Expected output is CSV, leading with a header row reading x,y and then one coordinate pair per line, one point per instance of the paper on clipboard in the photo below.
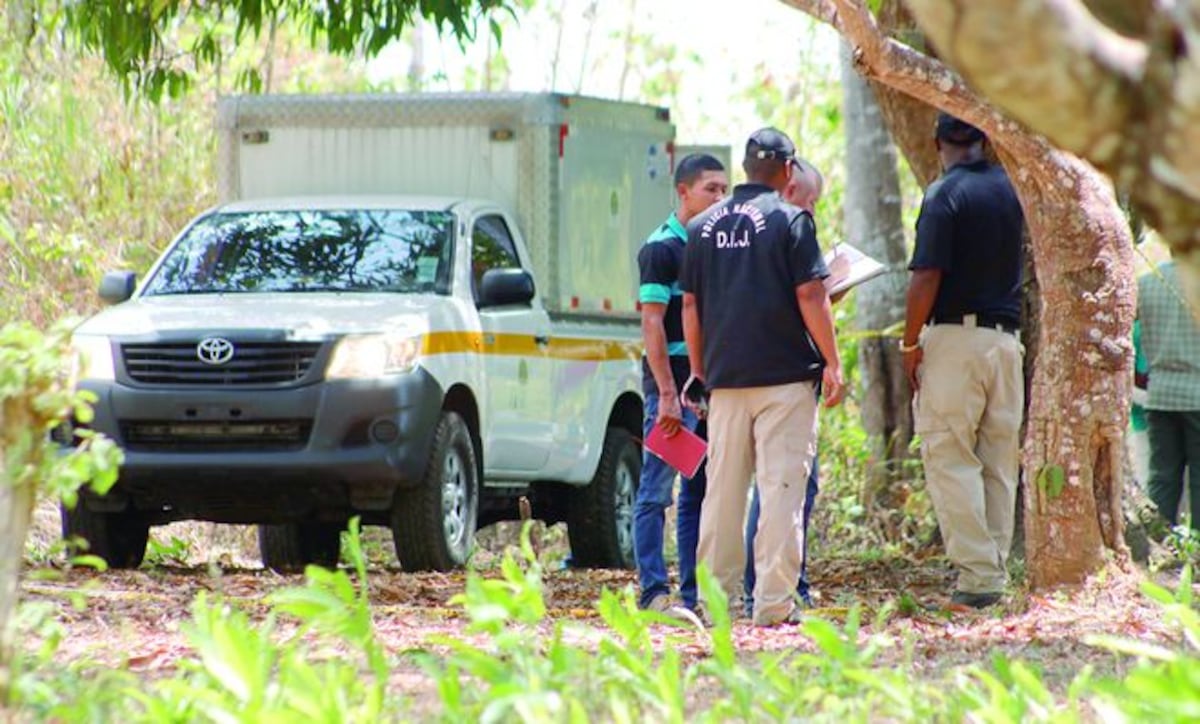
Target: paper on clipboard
x,y
849,267
684,451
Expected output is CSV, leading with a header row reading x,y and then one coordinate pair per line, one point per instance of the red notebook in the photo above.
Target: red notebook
x,y
684,451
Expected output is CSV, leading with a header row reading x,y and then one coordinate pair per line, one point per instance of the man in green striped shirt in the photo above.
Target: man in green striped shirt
x,y
700,181
1171,342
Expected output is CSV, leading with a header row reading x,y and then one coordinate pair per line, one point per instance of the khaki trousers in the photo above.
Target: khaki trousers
x,y
770,433
968,414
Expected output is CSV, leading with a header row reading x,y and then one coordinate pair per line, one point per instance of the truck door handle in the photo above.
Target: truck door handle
x,y
541,340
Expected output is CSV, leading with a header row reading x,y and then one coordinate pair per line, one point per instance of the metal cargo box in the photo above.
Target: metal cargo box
x,y
587,179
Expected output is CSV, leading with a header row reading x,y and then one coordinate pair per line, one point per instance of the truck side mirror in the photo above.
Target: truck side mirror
x,y
501,287
116,287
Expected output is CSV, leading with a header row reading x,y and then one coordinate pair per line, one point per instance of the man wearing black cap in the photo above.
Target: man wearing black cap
x,y
760,336
962,353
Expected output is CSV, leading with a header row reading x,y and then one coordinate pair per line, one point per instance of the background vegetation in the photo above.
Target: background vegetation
x,y
92,180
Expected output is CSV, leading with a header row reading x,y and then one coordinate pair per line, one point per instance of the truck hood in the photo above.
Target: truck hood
x,y
300,316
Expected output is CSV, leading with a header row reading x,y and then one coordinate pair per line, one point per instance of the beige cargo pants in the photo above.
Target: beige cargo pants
x,y
968,414
769,433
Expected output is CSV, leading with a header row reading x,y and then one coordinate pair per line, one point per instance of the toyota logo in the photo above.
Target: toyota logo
x,y
214,351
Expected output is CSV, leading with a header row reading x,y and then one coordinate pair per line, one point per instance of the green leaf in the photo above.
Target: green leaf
x,y
1051,480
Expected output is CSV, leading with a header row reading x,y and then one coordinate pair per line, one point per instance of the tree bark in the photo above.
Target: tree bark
x,y
1128,105
16,511
873,224
1084,261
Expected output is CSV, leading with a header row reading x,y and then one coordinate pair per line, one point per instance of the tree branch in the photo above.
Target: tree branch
x,y
1023,52
822,10
899,66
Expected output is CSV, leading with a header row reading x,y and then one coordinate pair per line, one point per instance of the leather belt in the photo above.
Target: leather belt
x,y
979,320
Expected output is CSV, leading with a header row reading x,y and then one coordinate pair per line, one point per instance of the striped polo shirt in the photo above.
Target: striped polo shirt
x,y
659,262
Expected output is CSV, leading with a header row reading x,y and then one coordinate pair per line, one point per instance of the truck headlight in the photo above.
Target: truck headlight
x,y
93,358
365,356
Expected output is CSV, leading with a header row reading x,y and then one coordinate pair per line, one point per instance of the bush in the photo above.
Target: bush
x,y
516,668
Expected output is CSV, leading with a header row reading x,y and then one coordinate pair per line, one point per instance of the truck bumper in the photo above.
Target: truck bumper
x,y
327,450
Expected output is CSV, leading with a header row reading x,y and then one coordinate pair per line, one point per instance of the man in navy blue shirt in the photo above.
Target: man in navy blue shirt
x,y
962,352
803,191
700,181
760,335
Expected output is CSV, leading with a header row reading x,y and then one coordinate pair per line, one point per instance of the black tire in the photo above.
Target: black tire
x,y
290,547
600,516
433,525
118,538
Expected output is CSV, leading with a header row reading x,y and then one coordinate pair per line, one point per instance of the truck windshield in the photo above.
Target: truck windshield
x,y
310,251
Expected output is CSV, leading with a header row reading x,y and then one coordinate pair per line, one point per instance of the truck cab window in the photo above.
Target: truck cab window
x,y
491,248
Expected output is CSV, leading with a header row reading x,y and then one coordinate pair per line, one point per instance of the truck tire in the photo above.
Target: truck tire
x,y
433,525
600,516
289,547
118,538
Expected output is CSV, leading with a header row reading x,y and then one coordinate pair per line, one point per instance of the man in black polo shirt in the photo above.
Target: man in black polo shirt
x,y
760,335
962,353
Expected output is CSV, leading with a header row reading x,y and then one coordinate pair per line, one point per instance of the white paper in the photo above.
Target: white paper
x,y
849,267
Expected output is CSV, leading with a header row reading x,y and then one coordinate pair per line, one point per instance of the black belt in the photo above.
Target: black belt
x,y
979,320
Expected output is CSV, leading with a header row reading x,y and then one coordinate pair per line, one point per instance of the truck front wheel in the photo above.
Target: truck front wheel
x,y
433,525
600,516
289,547
118,538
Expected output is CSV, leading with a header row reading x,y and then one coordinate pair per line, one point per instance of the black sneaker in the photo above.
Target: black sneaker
x,y
975,600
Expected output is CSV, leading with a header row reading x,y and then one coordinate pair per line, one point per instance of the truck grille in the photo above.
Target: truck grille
x,y
195,436
252,364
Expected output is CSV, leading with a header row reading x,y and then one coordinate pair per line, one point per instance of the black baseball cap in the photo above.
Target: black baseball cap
x,y
956,131
770,143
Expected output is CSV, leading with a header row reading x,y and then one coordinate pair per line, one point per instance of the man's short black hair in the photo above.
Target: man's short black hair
x,y
691,166
956,131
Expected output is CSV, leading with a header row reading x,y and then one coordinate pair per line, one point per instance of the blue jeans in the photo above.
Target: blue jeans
x,y
654,496
748,578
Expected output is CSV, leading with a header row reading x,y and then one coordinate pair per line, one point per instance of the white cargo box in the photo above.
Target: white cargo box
x,y
587,179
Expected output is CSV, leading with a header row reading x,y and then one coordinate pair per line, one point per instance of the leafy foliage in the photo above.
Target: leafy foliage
x,y
36,395
317,655
137,38
88,182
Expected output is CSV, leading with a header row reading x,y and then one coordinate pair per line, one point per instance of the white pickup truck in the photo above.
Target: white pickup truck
x,y
362,328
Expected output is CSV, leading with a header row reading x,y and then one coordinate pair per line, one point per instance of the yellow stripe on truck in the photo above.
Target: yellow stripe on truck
x,y
579,349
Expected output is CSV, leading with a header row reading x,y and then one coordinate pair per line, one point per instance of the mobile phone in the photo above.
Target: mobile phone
x,y
696,394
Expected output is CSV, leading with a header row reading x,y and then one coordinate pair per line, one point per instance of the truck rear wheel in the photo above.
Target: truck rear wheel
x,y
600,516
434,524
118,538
289,547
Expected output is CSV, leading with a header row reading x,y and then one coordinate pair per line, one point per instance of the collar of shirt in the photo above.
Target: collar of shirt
x,y
676,227
977,165
751,189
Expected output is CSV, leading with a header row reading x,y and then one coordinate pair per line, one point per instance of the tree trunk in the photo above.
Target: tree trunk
x,y
627,44
16,510
1083,258
1079,411
873,224
416,66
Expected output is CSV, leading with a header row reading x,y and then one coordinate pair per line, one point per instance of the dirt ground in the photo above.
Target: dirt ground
x,y
133,617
